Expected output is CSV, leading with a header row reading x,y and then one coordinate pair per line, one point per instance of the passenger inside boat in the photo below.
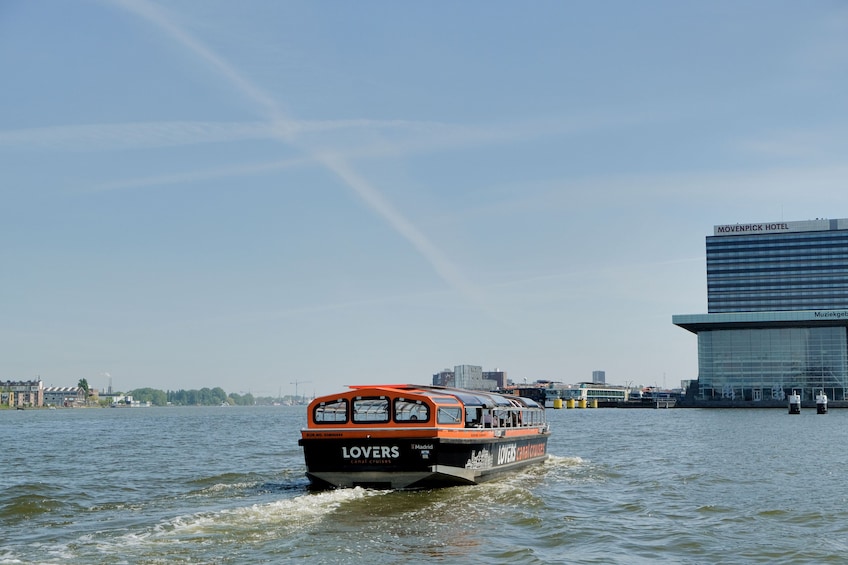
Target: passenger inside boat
x,y
488,420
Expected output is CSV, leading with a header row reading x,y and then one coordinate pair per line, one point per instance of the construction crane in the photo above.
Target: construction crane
x,y
296,396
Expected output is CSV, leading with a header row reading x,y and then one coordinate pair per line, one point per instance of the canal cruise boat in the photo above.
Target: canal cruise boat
x,y
413,437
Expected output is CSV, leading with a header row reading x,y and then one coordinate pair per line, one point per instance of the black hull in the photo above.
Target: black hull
x,y
417,463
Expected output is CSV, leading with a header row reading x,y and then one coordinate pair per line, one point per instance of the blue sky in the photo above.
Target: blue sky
x,y
252,194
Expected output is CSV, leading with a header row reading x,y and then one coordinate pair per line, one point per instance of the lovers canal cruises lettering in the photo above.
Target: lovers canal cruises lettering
x,y
370,452
510,453
381,454
385,454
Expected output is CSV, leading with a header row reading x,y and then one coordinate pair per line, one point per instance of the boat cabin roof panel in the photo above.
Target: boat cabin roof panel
x,y
407,405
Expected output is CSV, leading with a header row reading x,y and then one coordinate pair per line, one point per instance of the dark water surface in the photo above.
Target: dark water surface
x,y
226,485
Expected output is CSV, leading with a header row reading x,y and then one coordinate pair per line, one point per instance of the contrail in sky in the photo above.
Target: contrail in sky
x,y
285,129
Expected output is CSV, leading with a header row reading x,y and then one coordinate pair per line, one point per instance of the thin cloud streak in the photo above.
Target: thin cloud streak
x,y
155,15
376,202
205,175
449,273
430,137
98,137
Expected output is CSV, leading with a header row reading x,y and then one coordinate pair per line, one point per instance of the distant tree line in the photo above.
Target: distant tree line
x,y
203,397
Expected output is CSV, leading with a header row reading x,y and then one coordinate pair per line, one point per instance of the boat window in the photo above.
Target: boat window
x,y
407,410
450,414
473,416
331,412
370,409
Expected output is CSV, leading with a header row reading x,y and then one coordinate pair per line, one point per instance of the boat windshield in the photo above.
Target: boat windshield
x,y
334,411
370,409
449,414
407,410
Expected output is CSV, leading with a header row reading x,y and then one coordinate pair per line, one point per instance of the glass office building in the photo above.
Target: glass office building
x,y
777,298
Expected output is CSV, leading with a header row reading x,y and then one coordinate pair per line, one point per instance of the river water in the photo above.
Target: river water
x,y
227,485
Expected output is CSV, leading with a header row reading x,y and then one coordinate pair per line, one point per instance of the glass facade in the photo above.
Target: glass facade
x,y
778,272
769,363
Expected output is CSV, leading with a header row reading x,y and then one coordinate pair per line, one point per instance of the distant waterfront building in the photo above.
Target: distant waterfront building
x,y
599,377
64,396
589,391
468,376
777,321
22,393
497,376
444,378
127,401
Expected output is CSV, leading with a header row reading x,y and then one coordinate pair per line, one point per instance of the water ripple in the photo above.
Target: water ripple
x,y
678,486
